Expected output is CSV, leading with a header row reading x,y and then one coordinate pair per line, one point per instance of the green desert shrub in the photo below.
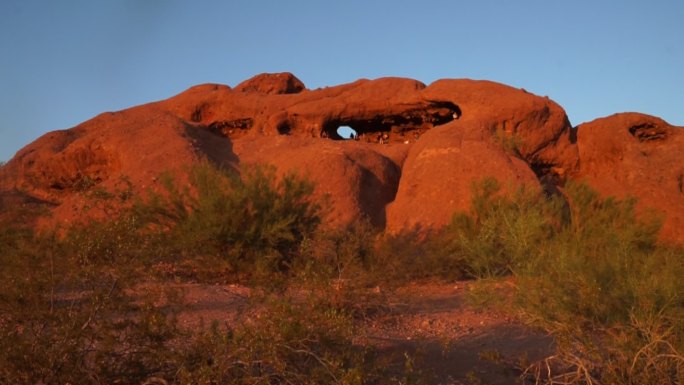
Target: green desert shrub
x,y
13,239
65,322
339,253
499,233
362,256
119,241
602,261
611,294
17,219
511,143
255,221
587,269
291,343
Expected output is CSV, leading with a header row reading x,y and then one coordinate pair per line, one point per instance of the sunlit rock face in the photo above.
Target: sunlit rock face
x,y
640,156
411,161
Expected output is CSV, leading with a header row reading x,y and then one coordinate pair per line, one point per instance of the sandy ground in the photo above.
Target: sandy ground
x,y
451,339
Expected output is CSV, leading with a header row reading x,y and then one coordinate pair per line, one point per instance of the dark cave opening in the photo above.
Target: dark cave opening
x,y
230,128
647,132
403,126
550,177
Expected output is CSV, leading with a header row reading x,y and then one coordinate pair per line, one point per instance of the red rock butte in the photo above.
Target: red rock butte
x,y
415,154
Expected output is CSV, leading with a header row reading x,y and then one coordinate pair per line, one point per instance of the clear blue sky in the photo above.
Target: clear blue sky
x,y
65,61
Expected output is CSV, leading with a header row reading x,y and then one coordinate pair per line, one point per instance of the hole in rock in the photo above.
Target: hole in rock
x,y
550,176
346,132
284,128
405,126
229,128
647,132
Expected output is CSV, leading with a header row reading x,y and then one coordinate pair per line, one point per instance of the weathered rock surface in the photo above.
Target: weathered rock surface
x,y
416,152
135,145
536,126
282,83
439,172
502,132
636,155
355,180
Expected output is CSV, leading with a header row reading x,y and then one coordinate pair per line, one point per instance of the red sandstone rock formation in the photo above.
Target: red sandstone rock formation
x,y
282,83
640,156
417,151
438,174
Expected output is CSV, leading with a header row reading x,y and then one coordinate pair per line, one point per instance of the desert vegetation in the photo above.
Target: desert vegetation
x,y
95,302
587,270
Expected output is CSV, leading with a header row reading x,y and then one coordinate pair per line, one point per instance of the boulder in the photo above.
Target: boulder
x,y
279,83
536,126
439,173
353,179
637,155
110,152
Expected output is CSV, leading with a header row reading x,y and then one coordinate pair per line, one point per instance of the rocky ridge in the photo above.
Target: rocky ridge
x,y
415,153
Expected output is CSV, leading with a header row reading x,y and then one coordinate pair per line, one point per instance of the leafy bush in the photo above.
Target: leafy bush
x,y
361,253
499,234
339,253
610,293
65,322
115,242
510,142
254,221
602,261
290,344
587,269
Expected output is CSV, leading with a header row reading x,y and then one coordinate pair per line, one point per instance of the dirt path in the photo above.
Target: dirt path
x,y
449,339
